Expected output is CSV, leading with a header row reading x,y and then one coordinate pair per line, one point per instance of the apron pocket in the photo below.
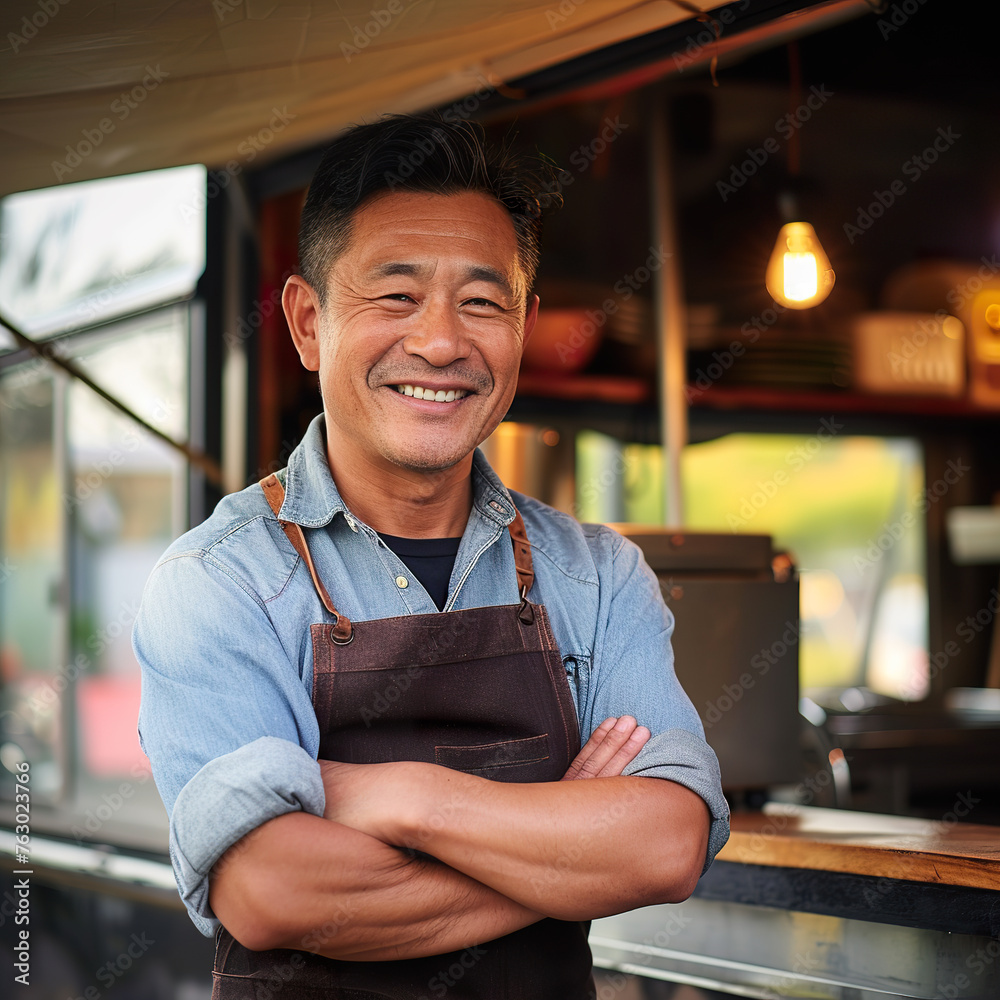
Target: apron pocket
x,y
486,756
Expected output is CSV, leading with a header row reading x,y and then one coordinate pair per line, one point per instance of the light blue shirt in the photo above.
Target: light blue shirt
x,y
223,640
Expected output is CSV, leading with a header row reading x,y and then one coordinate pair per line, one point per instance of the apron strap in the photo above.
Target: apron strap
x,y
274,492
522,555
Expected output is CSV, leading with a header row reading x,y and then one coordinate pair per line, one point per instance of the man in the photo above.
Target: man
x,y
364,678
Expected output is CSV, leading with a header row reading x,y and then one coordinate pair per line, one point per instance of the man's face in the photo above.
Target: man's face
x,y
428,300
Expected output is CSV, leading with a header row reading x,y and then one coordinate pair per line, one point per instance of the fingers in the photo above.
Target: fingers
x,y
626,753
596,739
611,748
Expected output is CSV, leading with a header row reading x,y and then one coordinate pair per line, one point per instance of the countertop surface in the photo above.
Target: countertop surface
x,y
946,852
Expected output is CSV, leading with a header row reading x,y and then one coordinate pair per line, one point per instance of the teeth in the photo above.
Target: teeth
x,y
439,396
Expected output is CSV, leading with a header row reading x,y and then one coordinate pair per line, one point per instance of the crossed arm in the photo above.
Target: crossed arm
x,y
492,857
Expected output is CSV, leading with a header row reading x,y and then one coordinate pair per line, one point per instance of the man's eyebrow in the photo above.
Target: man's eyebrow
x,y
395,268
491,275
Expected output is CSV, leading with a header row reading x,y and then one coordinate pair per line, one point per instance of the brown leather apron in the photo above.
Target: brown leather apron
x,y
483,691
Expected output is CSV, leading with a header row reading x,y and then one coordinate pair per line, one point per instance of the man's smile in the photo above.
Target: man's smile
x,y
437,395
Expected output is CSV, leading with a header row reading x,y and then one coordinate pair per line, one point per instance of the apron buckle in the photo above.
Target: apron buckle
x,y
526,613
342,632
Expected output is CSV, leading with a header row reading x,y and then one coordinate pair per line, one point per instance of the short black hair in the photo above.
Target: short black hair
x,y
426,152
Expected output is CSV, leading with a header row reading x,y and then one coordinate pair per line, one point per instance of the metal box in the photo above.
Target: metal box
x,y
736,607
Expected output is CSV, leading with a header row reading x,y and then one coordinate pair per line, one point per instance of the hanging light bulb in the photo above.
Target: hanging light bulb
x,y
798,274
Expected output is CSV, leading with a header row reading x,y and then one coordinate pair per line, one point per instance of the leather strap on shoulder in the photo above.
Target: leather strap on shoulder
x,y
274,493
522,554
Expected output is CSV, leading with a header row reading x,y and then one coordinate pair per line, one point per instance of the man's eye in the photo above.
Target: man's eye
x,y
482,302
398,297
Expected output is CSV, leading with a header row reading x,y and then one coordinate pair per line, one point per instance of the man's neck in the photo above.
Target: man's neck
x,y
403,502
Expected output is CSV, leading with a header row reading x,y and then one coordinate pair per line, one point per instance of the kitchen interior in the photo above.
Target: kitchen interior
x,y
817,489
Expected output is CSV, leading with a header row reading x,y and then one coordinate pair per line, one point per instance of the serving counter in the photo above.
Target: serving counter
x,y
829,905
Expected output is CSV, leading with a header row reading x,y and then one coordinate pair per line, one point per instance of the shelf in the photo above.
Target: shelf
x,y
826,401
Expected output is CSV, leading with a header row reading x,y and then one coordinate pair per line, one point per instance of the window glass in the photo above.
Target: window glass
x,y
126,502
89,499
849,509
31,581
74,255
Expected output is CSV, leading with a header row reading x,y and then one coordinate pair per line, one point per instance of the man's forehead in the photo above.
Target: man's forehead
x,y
468,216
405,232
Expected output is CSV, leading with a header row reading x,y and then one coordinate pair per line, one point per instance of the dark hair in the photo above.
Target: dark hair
x,y
418,153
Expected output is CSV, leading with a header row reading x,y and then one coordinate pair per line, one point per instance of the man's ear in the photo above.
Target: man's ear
x,y
530,316
302,311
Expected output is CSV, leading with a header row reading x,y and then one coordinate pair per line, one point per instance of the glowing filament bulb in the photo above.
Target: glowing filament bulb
x,y
799,273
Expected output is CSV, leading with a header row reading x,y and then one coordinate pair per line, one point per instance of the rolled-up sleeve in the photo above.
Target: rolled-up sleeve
x,y
633,674
225,720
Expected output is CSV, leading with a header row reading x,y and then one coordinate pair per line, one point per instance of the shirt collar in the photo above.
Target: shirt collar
x,y
313,500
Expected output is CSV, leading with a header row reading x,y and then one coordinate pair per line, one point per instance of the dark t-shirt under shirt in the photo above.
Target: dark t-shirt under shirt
x,y
431,561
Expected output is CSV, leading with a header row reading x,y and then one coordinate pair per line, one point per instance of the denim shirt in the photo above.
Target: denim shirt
x,y
223,641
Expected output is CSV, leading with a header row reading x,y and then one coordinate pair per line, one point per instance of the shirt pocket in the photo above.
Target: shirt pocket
x,y
578,669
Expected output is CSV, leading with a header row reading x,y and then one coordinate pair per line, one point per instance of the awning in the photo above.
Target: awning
x,y
93,90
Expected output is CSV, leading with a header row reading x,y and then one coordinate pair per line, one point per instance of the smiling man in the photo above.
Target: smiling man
x,y
366,680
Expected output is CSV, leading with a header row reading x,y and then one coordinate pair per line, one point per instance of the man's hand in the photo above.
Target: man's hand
x,y
613,745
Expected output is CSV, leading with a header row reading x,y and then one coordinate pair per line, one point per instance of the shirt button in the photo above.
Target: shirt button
x,y
354,527
402,582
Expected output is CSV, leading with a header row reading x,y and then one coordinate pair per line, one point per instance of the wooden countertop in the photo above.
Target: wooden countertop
x,y
834,840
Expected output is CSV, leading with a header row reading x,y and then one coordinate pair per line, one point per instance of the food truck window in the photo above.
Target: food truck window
x,y
88,499
849,508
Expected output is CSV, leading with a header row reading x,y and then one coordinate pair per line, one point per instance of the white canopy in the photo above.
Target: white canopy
x,y
96,89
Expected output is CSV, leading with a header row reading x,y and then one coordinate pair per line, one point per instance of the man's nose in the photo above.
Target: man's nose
x,y
439,335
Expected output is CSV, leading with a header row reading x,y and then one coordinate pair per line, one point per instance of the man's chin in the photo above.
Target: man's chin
x,y
429,460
